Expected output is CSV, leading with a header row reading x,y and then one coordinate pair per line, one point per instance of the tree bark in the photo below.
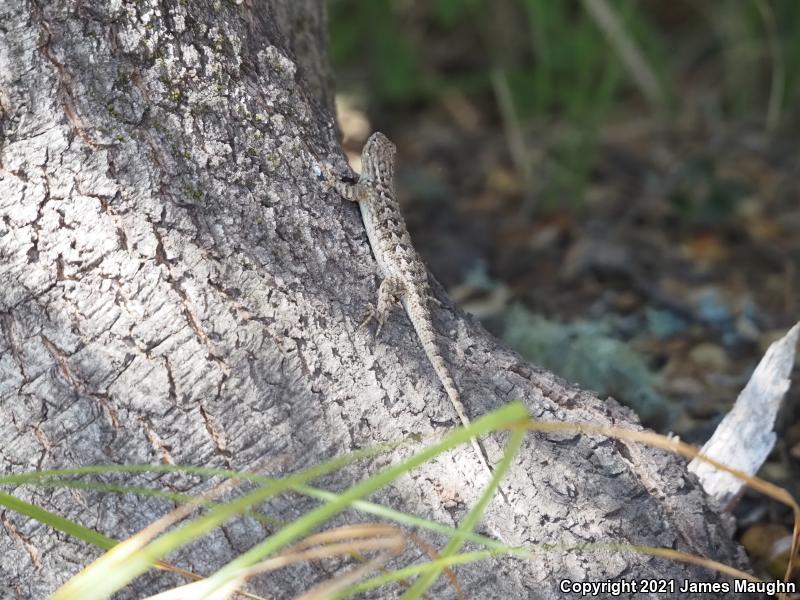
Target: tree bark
x,y
178,287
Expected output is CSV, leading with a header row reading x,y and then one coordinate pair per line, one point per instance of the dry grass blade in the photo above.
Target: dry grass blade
x,y
677,555
347,540
198,589
778,83
608,22
429,551
328,589
433,555
165,566
699,560
351,540
189,591
513,132
359,531
688,451
703,562
121,553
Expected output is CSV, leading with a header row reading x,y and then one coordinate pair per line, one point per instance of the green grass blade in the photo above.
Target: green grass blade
x,y
471,520
337,462
177,497
422,568
510,413
52,479
371,508
97,581
56,522
390,514
100,580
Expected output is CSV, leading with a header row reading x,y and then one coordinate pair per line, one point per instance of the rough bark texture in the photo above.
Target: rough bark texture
x,y
178,287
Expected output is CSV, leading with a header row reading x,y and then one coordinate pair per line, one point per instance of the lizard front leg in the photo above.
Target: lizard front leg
x,y
354,191
390,292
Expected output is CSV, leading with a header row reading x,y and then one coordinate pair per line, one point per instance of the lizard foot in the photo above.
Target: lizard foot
x,y
368,314
372,314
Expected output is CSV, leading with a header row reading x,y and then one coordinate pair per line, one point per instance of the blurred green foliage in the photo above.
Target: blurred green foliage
x,y
703,197
561,65
395,45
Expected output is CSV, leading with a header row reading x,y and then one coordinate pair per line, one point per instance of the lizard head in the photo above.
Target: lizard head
x,y
377,157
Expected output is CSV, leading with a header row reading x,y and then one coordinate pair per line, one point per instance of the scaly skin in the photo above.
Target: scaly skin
x,y
405,278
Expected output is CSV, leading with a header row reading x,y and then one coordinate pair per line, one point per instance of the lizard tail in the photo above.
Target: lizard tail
x,y
423,324
427,336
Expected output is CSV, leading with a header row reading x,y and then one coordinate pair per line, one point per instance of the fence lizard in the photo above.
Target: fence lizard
x,y
405,278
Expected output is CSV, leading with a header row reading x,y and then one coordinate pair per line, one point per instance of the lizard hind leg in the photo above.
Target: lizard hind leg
x,y
389,294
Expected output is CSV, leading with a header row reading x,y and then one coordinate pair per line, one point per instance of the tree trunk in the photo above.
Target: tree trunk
x,y
178,287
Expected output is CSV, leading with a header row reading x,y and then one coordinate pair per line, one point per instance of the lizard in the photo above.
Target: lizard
x,y
405,277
